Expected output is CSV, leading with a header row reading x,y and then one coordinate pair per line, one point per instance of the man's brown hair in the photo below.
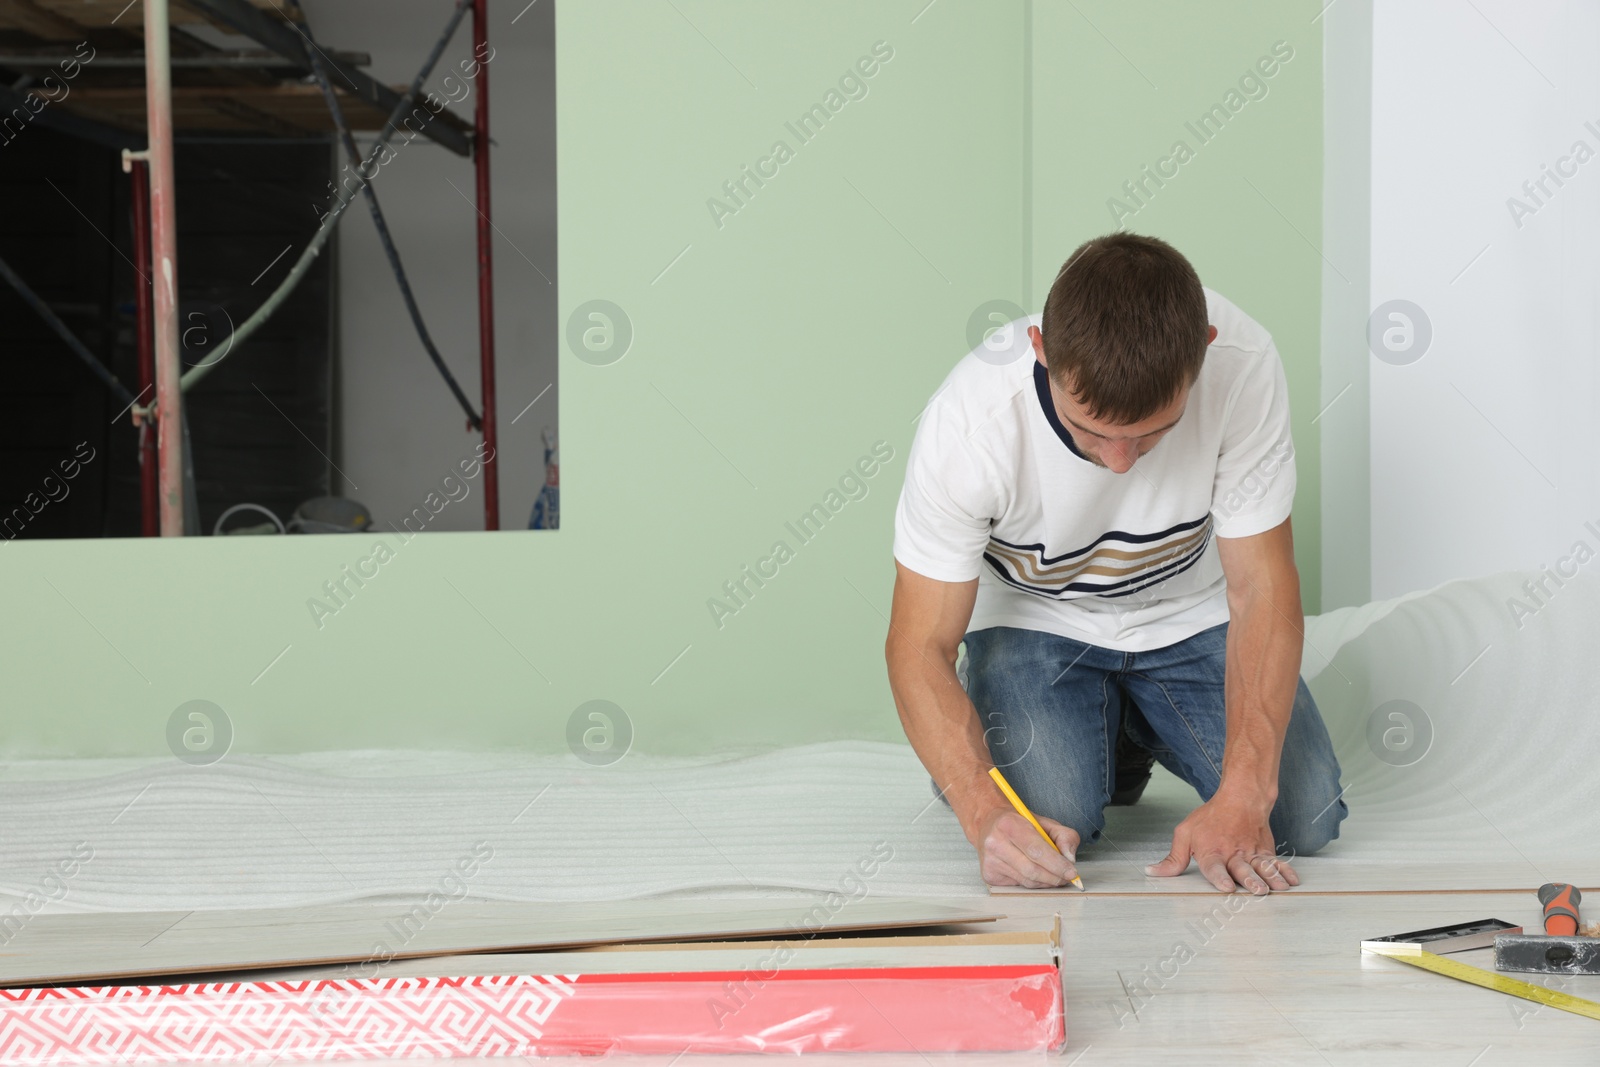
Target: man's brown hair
x,y
1125,326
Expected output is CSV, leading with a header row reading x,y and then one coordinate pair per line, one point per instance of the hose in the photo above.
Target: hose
x,y
194,375
217,528
336,110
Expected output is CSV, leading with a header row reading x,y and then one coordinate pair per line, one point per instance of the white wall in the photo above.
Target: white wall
x,y
1343,417
402,431
1484,452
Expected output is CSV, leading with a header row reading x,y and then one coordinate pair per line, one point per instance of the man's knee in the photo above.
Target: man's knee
x,y
1301,829
1074,803
1310,801
1085,818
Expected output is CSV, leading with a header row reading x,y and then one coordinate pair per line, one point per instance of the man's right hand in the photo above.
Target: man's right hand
x,y
1011,852
926,626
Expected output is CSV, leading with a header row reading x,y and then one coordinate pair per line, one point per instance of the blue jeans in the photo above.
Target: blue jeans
x,y
1051,708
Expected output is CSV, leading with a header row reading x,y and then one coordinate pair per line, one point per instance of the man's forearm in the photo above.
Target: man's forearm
x,y
944,730
1263,670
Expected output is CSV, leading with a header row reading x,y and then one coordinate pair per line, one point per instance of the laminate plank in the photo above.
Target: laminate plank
x,y
752,956
85,948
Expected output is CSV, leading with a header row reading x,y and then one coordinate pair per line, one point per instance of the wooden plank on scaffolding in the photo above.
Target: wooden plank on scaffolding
x,y
276,110
288,41
66,20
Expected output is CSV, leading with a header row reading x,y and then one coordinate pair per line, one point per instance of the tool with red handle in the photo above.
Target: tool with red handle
x,y
1559,950
1560,902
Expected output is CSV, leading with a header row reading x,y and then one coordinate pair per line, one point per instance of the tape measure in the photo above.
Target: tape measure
x,y
1465,972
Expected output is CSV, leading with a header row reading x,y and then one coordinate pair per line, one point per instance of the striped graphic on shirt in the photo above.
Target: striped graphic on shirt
x,y
1115,564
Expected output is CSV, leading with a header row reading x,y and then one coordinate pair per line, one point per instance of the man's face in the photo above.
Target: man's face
x,y
1111,445
1114,446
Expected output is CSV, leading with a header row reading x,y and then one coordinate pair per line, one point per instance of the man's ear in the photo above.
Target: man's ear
x,y
1211,334
1038,345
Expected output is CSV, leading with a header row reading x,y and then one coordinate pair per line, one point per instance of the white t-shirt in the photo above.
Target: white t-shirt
x,y
995,490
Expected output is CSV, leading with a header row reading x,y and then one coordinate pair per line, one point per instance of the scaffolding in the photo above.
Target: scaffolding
x,y
252,97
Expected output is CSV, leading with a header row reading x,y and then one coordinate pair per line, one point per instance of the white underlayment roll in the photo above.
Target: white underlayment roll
x,y
1487,779
249,832
1495,684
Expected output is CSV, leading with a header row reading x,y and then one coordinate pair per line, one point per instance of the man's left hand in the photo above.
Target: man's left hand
x,y
1232,844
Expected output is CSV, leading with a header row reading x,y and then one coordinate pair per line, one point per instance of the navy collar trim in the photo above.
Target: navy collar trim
x,y
1041,385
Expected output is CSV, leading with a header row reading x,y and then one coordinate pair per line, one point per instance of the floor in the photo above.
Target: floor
x,y
1486,792
1276,980
1150,965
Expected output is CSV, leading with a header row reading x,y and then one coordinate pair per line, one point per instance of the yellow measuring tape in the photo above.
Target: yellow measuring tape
x,y
1465,972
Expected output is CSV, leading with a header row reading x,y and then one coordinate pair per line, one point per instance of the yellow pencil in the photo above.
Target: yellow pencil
x,y
1022,810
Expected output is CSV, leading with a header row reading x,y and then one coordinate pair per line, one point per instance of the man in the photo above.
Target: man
x,y
1107,527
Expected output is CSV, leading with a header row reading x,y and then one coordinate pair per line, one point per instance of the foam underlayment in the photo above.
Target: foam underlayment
x,y
1505,794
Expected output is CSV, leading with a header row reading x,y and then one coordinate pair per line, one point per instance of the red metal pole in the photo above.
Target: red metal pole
x,y
480,157
164,263
149,497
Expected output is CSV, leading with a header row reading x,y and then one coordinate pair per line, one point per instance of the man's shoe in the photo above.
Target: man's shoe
x,y
1134,763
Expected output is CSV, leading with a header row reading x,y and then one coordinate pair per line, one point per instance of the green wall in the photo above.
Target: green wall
x,y
773,348
1114,86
